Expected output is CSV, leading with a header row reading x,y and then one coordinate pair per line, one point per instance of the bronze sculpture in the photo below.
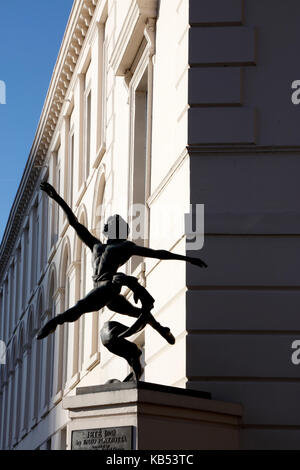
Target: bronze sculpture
x,y
107,259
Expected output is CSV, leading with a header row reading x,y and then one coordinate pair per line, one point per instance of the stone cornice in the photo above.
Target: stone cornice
x,y
73,40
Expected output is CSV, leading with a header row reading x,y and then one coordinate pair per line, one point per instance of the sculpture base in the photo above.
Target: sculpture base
x,y
143,416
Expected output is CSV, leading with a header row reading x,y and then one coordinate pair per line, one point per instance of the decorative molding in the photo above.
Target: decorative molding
x,y
74,38
73,267
140,18
92,361
128,77
150,35
101,151
45,315
60,292
80,194
72,383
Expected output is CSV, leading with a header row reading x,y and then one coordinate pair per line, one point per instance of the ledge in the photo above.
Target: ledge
x,y
112,387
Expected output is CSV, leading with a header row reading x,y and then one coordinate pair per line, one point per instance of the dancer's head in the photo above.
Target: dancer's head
x,y
116,228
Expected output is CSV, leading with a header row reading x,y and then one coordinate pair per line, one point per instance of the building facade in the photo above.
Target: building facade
x,y
155,107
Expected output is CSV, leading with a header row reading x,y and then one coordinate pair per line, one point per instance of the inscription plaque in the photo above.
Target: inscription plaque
x,y
118,438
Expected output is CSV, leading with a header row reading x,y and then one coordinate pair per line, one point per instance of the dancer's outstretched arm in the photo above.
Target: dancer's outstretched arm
x,y
164,254
80,229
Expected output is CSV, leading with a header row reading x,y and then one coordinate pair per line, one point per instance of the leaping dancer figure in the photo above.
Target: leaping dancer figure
x,y
107,258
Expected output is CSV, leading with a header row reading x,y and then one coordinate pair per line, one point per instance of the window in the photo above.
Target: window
x,y
84,165
139,173
70,168
64,371
140,141
140,98
56,181
25,252
82,295
88,115
34,241
44,227
48,344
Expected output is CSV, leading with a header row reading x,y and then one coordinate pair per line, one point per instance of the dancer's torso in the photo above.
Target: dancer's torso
x,y
107,258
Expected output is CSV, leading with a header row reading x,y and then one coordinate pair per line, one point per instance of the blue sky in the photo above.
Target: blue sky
x,y
31,32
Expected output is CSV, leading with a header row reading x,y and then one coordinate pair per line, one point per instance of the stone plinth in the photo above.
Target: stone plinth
x,y
149,416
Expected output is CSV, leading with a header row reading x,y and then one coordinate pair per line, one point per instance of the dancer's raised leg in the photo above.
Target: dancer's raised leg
x,y
93,301
121,305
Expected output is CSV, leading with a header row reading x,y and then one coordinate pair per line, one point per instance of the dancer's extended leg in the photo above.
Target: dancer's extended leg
x,y
121,305
93,301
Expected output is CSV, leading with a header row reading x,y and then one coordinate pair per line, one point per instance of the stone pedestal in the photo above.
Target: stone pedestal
x,y
142,416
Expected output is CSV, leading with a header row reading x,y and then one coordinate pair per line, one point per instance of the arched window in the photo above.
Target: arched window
x,y
49,344
37,362
11,396
64,329
29,385
3,422
19,385
2,404
98,223
80,292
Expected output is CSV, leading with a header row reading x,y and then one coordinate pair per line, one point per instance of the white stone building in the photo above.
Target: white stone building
x,y
163,103
95,143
